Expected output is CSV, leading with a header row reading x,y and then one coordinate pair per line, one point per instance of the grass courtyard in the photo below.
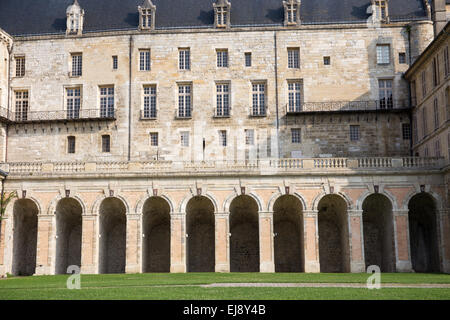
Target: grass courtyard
x,y
189,287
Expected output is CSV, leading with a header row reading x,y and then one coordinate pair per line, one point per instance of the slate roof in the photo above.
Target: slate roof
x,y
31,17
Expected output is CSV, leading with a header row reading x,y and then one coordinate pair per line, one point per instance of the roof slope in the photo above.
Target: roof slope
x,y
49,16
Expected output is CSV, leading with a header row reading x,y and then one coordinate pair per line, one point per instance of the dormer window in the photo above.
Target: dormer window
x,y
382,10
292,12
75,19
222,13
147,15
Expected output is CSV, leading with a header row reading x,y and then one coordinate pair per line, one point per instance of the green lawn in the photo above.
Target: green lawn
x,y
147,286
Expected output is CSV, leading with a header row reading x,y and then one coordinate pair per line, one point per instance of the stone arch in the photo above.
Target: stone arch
x,y
68,214
200,228
288,228
156,234
424,233
234,195
277,195
112,246
386,193
378,232
334,248
244,229
51,210
319,197
187,198
25,225
436,198
97,203
142,200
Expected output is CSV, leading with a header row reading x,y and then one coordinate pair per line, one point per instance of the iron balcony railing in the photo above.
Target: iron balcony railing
x,y
339,106
59,115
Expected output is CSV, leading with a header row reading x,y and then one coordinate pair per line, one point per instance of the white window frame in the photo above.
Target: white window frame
x,y
383,54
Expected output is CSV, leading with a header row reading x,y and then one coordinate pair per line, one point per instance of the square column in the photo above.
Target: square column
x,y
45,248
222,242
266,254
89,244
402,245
177,243
134,241
356,239
311,241
444,226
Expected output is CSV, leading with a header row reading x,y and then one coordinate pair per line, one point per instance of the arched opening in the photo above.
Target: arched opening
x,y
244,229
288,242
423,233
25,222
201,235
113,229
68,233
333,235
378,232
156,238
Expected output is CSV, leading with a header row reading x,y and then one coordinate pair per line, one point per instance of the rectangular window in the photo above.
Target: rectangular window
x,y
222,58
424,124
385,93
144,60
184,59
424,84
436,114
293,58
383,54
259,99
222,138
106,143
295,96
73,100
415,130
22,105
326,61
354,133
20,66
406,131
77,64
249,137
107,102
426,153
437,148
292,13
115,62
248,59
223,100
71,144
184,101
296,135
381,4
435,68
413,94
222,16
154,139
149,102
402,58
185,139
446,62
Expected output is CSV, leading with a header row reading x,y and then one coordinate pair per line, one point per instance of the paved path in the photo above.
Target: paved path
x,y
322,285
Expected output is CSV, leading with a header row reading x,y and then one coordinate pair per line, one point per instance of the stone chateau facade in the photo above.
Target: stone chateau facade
x,y
204,136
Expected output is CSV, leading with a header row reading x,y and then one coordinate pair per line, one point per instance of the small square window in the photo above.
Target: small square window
x,y
354,133
71,144
223,138
154,139
296,135
106,143
327,61
402,58
248,59
185,139
406,131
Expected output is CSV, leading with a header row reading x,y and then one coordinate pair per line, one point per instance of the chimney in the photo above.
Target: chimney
x,y
439,16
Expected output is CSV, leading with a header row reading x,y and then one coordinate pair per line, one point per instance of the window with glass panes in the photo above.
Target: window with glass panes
x,y
424,122
296,135
446,62
71,144
406,131
146,18
154,139
248,59
77,64
295,95
22,104
354,133
222,58
259,99
184,100
20,66
381,4
150,102
250,137
115,62
223,100
437,148
385,93
107,102
222,138
144,60
436,113
383,54
293,58
435,68
184,59
106,143
222,16
73,101
292,13
184,137
424,84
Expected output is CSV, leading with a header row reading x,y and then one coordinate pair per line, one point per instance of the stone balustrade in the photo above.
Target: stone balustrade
x,y
266,165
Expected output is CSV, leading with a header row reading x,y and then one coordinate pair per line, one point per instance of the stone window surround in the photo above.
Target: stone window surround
x,y
223,58
152,135
71,143
355,133
287,5
149,12
389,56
223,138
177,101
79,64
293,55
143,95
184,60
220,8
142,59
18,58
106,143
66,98
217,83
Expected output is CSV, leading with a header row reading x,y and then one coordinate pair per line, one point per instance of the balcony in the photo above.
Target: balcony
x,y
57,116
348,106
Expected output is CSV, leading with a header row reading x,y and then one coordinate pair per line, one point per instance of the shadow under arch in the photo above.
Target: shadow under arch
x,y
244,229
288,228
68,234
156,235
378,231
25,225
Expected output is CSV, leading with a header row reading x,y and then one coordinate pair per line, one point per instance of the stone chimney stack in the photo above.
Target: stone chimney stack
x,y
439,16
